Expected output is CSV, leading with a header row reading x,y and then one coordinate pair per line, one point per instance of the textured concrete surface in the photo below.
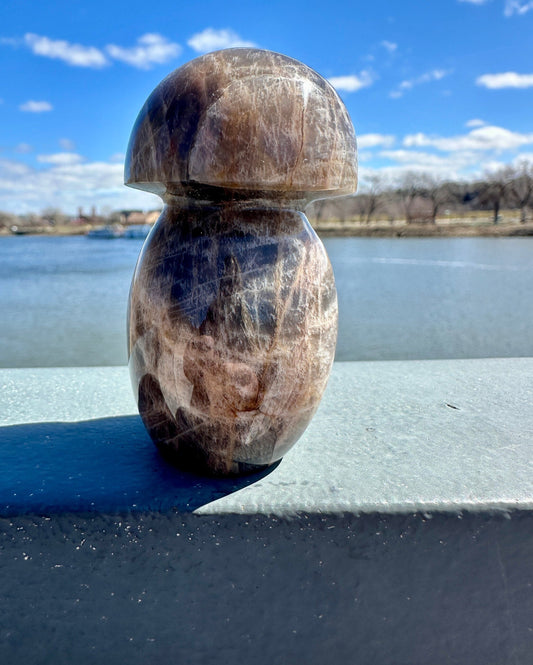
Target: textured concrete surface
x,y
388,437
375,541
152,589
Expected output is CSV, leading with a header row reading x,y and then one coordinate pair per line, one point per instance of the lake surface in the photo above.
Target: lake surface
x,y
63,300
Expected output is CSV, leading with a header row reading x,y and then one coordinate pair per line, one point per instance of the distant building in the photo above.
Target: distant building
x,y
132,217
152,216
93,218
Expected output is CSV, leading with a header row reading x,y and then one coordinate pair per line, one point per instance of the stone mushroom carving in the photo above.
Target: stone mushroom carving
x,y
232,317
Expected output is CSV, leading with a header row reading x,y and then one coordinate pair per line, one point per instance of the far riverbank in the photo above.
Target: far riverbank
x,y
330,228
447,229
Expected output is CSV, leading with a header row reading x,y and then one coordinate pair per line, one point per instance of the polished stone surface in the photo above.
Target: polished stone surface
x,y
244,119
233,312
231,334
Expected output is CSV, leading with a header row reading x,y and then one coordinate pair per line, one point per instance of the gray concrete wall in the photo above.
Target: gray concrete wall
x,y
187,588
397,531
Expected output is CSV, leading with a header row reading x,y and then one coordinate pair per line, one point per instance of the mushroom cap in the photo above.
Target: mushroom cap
x,y
248,120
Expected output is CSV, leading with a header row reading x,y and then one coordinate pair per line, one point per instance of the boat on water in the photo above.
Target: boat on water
x,y
109,231
17,231
137,231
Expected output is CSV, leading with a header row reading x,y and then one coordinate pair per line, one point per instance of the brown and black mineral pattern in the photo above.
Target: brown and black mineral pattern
x,y
233,312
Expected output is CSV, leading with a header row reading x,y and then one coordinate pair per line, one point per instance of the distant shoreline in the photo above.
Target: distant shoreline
x,y
459,228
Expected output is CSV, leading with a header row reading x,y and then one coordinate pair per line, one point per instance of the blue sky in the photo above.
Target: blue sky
x,y
445,86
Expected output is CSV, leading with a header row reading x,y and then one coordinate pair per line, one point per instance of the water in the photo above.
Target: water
x,y
63,300
415,298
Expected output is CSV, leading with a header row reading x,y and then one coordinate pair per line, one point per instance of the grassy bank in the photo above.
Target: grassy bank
x,y
474,225
458,229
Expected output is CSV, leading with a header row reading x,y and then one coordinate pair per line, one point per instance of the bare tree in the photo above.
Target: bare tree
x,y
340,208
437,192
29,219
493,189
317,209
419,196
521,186
370,197
114,217
54,215
408,191
7,219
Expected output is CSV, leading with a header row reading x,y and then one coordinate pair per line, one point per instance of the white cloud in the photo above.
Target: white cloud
x,y
23,148
73,54
415,159
351,83
11,171
374,140
212,40
151,49
68,186
60,158
475,122
505,80
67,144
389,46
454,166
517,7
461,157
523,157
409,84
492,166
393,175
483,138
32,106
117,158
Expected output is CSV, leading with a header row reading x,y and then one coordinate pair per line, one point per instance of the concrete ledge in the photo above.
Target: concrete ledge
x,y
398,531
388,437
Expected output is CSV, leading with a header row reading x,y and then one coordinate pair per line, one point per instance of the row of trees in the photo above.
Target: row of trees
x,y
56,217
420,197
415,197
